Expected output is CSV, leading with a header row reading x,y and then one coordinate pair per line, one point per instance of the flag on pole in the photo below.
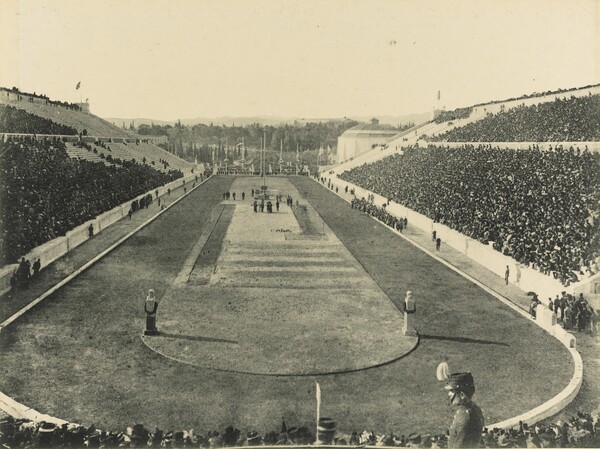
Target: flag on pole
x,y
78,85
318,408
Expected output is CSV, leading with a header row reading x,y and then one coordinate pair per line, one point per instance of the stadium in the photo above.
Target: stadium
x,y
211,285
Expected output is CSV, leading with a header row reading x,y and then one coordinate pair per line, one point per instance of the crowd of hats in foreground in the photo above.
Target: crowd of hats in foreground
x,y
580,431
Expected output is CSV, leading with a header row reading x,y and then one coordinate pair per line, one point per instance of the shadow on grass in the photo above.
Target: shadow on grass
x,y
462,340
195,338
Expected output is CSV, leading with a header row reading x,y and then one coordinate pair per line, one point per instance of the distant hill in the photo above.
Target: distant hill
x,y
272,120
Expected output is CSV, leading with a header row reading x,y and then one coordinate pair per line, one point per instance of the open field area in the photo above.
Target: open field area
x,y
257,300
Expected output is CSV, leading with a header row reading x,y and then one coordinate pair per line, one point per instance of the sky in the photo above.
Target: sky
x,y
170,59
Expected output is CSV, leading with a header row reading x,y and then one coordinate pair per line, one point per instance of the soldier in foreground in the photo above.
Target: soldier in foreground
x,y
468,422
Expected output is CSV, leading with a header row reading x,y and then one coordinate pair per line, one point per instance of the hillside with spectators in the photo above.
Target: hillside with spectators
x,y
45,193
575,119
539,207
13,120
456,114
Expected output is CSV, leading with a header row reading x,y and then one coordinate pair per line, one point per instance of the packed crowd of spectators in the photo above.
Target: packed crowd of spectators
x,y
44,193
537,95
579,431
13,120
367,206
539,207
446,116
569,120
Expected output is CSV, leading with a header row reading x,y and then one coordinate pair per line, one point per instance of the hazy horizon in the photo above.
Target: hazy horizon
x,y
165,60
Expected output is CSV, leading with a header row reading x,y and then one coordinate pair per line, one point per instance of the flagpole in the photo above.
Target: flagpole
x,y
318,411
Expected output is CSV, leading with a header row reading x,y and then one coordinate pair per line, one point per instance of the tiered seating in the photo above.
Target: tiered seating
x,y
535,206
77,152
151,153
13,120
573,119
93,125
46,194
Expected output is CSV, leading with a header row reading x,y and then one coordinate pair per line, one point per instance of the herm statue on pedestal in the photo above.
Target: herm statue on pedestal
x,y
410,308
150,307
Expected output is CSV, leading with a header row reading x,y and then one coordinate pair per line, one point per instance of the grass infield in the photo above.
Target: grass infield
x,y
79,355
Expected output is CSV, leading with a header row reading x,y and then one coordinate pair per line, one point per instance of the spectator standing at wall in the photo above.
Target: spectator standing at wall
x,y
506,275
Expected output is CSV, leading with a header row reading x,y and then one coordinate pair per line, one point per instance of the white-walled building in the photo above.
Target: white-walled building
x,y
362,138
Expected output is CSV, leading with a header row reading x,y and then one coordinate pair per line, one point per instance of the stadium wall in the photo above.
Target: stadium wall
x,y
58,247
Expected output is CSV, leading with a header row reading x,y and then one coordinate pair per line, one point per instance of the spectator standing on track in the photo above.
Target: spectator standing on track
x,y
37,265
506,275
438,244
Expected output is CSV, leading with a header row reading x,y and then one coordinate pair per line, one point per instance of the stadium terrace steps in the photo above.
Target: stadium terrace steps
x,y
76,152
154,153
129,152
96,126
